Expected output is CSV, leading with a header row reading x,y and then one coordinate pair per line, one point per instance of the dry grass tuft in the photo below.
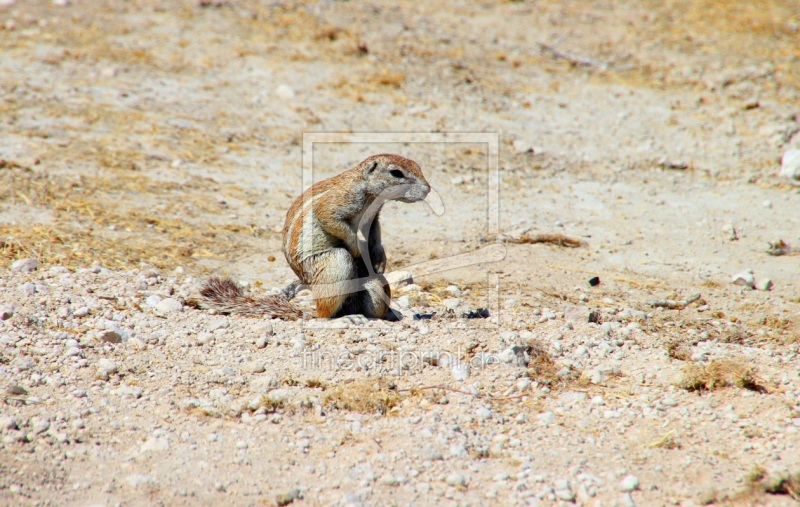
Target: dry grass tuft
x,y
389,78
541,366
666,441
94,218
364,396
678,350
759,481
719,374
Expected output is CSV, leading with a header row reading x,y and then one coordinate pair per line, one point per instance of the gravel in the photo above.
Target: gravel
x,y
118,390
629,483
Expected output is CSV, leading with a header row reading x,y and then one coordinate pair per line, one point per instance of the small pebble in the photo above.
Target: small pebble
x,y
284,92
745,279
111,337
24,265
455,479
169,305
460,372
629,483
483,413
790,165
547,418
765,284
7,311
15,390
254,367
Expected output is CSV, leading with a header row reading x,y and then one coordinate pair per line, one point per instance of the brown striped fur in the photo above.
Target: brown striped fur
x,y
320,235
326,229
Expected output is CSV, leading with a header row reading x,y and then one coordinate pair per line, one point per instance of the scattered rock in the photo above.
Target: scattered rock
x,y
7,311
745,279
629,483
483,413
137,480
287,498
254,367
790,165
73,351
765,284
24,265
128,391
40,424
15,390
155,444
460,372
547,418
8,423
284,92
562,489
517,355
399,279
168,305
153,300
456,479
452,303
105,368
596,376
110,336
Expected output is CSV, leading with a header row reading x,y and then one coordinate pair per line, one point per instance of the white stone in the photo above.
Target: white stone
x,y
284,92
254,367
24,265
547,418
460,372
398,279
139,479
745,279
483,413
765,284
155,444
153,300
456,479
169,305
107,365
629,483
790,165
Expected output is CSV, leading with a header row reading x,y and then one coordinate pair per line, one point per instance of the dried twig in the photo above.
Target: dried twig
x,y
552,239
572,58
670,304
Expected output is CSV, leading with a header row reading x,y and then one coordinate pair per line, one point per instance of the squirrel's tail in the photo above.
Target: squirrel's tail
x,y
226,296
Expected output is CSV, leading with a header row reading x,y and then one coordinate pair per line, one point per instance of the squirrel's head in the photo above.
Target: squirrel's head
x,y
394,178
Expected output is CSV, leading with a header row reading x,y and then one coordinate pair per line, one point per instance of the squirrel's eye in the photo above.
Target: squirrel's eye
x,y
397,173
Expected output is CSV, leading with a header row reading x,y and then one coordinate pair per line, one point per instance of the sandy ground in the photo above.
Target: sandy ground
x,y
147,144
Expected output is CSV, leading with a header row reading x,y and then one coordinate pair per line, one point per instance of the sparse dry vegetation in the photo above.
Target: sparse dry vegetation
x,y
719,374
363,396
172,134
759,481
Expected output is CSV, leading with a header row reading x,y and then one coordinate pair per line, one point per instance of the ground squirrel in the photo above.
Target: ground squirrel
x,y
332,241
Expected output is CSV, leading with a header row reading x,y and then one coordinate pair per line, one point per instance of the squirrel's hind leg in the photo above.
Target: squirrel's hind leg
x,y
328,274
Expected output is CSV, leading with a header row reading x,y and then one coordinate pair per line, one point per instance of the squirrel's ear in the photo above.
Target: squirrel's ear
x,y
370,168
